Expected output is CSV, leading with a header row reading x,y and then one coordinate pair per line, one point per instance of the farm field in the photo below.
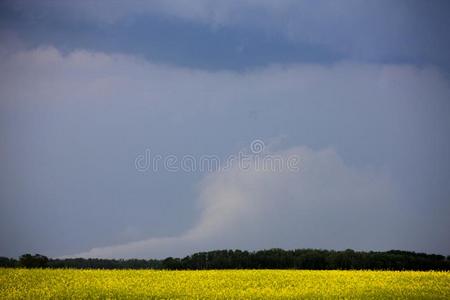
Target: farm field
x,y
223,284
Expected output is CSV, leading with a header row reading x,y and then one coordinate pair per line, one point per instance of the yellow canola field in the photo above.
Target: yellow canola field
x,y
225,284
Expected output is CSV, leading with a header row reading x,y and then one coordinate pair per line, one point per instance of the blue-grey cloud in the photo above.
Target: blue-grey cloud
x,y
72,125
241,34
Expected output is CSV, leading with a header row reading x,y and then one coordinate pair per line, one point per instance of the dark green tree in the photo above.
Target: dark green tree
x,y
33,261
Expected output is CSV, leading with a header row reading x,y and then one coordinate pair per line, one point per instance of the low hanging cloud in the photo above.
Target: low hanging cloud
x,y
324,204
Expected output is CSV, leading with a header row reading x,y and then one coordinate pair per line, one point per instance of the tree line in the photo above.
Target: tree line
x,y
311,259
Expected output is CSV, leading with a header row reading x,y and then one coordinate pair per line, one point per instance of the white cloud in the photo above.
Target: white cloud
x,y
325,204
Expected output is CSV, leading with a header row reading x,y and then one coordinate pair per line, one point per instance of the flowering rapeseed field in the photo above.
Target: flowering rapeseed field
x,y
227,284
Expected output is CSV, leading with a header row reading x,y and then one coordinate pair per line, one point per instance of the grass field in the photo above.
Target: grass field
x,y
239,284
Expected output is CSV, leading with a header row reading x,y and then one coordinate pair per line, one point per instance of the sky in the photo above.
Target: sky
x,y
356,92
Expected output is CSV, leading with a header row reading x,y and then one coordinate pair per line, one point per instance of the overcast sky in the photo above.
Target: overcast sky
x,y
358,91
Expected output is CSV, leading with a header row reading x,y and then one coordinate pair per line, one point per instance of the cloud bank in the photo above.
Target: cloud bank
x,y
325,204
